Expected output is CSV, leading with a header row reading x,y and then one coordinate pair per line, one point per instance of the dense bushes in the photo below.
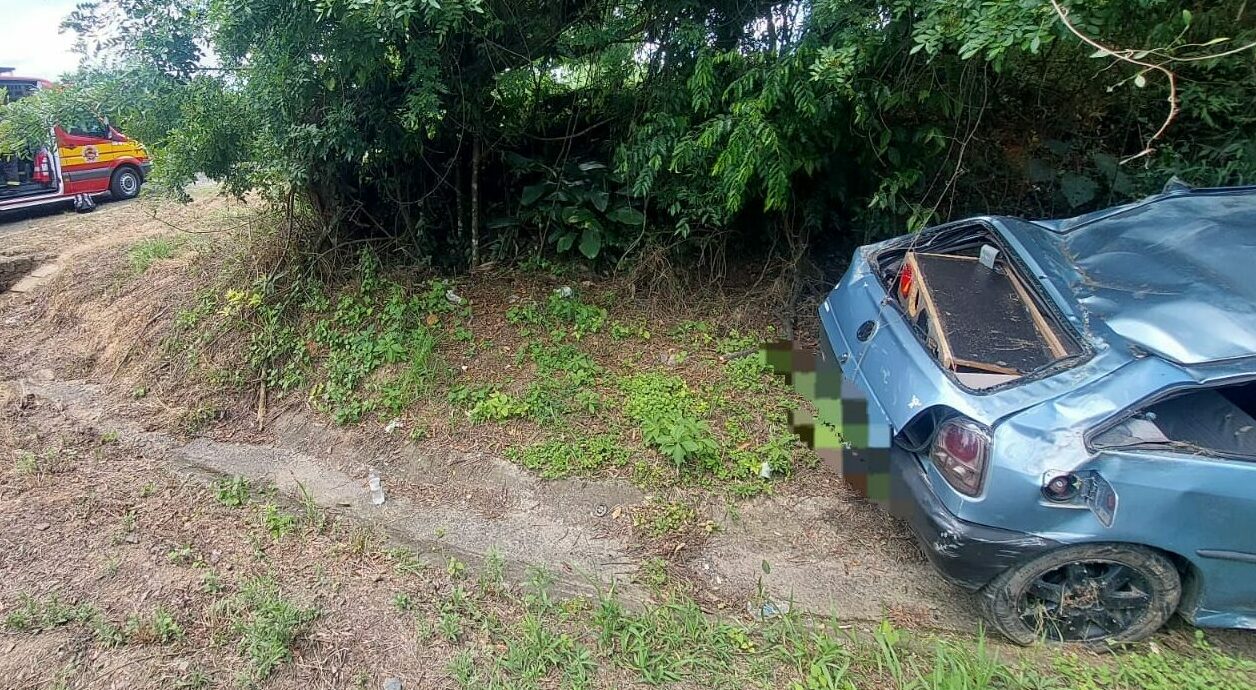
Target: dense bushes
x,y
466,130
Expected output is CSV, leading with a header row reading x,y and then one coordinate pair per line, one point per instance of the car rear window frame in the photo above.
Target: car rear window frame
x,y
1030,281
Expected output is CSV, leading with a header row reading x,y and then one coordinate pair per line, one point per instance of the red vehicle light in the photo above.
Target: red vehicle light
x,y
960,451
905,276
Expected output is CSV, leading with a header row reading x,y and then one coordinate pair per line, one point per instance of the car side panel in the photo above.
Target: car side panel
x,y
1199,508
1178,503
87,163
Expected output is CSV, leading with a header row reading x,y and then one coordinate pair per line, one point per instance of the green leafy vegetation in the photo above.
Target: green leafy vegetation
x,y
370,349
266,623
1194,669
233,491
662,519
42,614
556,459
145,253
529,640
278,522
159,626
627,131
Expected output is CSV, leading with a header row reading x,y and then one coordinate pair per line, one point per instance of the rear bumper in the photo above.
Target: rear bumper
x,y
145,167
906,381
967,554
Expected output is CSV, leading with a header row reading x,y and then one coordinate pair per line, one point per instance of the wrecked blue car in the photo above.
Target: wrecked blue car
x,y
1064,412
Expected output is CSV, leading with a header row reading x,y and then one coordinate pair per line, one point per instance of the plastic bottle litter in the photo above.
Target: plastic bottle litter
x,y
377,489
765,470
769,609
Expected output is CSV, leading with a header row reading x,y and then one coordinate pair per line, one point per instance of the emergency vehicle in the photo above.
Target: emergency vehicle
x,y
81,161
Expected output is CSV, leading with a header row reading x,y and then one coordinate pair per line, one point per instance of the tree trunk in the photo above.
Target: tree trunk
x,y
475,203
458,204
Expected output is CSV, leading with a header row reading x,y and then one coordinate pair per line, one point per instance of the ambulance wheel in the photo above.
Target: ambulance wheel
x,y
126,183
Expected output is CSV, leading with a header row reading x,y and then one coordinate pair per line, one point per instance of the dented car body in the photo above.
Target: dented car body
x,y
1078,445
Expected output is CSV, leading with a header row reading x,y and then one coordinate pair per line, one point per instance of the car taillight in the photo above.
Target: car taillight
x,y
960,450
905,277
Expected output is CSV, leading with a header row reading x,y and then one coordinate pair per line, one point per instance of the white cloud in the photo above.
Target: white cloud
x,y
29,40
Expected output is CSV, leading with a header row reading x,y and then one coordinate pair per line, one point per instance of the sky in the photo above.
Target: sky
x,y
29,40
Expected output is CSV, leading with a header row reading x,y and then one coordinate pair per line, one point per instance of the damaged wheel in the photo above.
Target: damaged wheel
x,y
1089,593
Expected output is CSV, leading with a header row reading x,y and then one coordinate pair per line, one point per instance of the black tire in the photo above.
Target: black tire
x,y
125,183
1092,594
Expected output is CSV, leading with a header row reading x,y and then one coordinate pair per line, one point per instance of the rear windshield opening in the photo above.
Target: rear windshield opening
x,y
973,309
1205,422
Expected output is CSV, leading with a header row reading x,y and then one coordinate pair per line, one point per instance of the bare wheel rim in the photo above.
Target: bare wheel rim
x,y
128,183
1085,601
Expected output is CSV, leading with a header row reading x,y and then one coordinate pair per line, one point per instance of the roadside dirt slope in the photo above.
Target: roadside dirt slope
x,y
98,492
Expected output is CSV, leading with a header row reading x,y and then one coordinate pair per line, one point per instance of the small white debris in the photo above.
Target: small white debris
x,y
915,402
988,256
377,488
565,292
393,425
765,470
455,298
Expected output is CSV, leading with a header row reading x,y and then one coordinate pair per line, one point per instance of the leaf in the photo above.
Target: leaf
x,y
533,192
1186,17
1102,52
565,241
600,200
766,567
626,215
1140,81
591,242
1077,189
590,165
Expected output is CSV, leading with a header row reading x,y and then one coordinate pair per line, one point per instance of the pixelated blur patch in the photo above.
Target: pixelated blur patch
x,y
849,433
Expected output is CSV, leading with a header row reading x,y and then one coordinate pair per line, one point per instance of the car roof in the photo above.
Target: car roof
x,y
1174,274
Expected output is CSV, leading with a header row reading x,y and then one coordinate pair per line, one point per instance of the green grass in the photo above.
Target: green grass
x,y
26,463
51,461
143,254
557,458
158,627
32,614
406,562
749,373
278,522
43,614
369,349
377,348
559,316
662,519
571,644
1202,668
233,491
266,625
